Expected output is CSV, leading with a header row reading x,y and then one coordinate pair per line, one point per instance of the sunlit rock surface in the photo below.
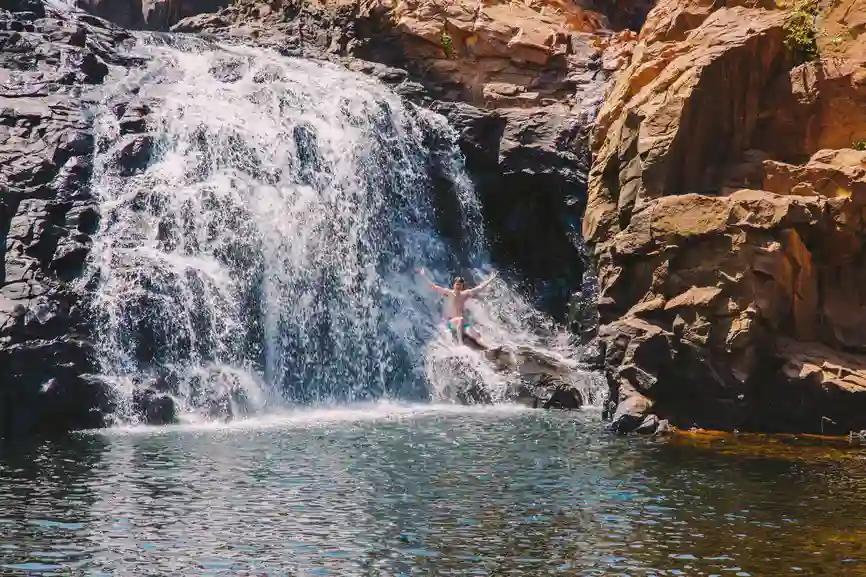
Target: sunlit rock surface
x,y
724,216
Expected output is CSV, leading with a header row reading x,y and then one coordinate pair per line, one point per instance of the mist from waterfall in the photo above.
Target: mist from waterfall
x,y
265,253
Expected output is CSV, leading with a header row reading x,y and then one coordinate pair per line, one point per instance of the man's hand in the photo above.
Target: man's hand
x,y
439,289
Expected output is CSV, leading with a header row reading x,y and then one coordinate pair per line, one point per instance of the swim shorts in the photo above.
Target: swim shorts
x,y
466,324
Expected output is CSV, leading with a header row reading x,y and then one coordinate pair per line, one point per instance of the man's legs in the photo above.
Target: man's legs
x,y
473,334
488,349
456,326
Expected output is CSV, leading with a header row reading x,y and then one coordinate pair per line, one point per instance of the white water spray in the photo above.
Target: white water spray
x,y
265,254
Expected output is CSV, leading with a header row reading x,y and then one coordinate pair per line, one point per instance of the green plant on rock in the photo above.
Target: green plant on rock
x,y
447,43
859,145
801,36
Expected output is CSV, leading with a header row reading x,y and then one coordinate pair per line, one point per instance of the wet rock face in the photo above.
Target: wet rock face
x,y
542,380
725,219
49,65
529,168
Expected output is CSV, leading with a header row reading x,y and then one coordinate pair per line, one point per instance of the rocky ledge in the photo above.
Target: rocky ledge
x,y
725,217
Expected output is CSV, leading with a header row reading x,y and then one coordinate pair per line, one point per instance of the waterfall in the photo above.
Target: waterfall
x,y
264,247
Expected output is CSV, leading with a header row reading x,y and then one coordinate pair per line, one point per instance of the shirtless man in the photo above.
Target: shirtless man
x,y
455,306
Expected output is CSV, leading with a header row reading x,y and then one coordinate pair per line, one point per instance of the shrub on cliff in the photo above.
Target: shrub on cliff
x,y
447,43
801,36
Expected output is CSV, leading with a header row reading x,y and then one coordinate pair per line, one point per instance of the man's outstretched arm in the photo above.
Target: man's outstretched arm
x,y
439,289
482,285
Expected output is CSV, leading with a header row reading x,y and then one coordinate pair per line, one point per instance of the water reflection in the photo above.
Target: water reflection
x,y
443,493
46,493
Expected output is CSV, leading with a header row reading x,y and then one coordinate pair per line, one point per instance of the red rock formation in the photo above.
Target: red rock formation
x,y
505,53
725,216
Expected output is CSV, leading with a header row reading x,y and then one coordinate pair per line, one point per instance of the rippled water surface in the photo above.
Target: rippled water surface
x,y
394,490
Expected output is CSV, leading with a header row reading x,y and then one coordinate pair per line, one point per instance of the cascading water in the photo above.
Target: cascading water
x,y
266,252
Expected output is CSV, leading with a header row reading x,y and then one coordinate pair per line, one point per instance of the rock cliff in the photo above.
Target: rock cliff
x,y
501,54
725,217
49,66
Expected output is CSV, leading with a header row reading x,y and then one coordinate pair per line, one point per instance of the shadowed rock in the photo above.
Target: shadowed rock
x,y
50,63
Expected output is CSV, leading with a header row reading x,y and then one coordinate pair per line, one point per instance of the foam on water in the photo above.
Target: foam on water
x,y
264,254
305,417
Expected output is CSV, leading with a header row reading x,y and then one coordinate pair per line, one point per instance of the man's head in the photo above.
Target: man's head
x,y
459,283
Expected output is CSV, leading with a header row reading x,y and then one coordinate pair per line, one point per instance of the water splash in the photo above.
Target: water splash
x,y
265,250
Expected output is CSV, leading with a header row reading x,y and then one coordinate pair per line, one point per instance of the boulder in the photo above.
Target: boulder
x,y
545,380
817,105
44,388
154,408
834,383
550,393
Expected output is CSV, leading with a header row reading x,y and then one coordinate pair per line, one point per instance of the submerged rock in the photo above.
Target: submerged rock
x,y
155,408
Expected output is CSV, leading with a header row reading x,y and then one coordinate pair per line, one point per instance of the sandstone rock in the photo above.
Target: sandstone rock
x,y
501,54
496,44
832,383
841,23
725,217
653,136
829,173
815,106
